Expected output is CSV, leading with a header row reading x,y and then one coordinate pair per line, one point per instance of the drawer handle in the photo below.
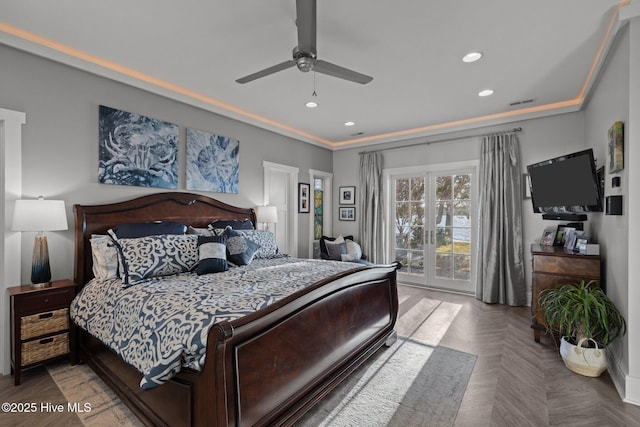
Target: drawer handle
x,y
46,315
46,341
46,300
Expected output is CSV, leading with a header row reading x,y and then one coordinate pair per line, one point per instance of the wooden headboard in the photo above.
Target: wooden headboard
x,y
187,208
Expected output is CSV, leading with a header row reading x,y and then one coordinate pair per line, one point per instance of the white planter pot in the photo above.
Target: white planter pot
x,y
590,362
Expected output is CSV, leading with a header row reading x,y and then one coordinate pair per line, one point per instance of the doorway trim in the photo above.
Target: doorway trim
x,y
11,242
292,189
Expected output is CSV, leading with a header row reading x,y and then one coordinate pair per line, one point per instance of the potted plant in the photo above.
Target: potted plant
x,y
587,320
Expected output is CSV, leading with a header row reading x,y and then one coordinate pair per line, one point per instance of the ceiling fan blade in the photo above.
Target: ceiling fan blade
x,y
306,23
330,69
267,71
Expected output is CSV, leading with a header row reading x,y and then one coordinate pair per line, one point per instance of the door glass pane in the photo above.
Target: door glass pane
x,y
444,266
453,227
462,267
409,222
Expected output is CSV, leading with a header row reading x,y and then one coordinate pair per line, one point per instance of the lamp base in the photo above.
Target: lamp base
x,y
40,270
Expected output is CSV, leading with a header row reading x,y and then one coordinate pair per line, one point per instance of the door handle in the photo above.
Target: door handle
x,y
432,240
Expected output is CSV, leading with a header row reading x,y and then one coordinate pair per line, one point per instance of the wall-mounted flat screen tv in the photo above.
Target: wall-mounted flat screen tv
x,y
566,184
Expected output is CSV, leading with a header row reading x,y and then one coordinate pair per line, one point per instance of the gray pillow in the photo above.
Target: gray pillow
x,y
335,250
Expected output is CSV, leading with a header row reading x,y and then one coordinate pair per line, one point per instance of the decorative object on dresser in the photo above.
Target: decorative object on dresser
x,y
552,267
586,319
40,326
40,215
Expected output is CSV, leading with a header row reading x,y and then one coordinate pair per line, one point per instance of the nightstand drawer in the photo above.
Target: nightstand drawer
x,y
45,301
45,348
44,323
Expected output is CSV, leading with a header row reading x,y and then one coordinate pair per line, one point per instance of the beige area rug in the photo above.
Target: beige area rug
x,y
80,384
419,382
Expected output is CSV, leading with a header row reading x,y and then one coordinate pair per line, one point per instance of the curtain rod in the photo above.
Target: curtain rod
x,y
518,129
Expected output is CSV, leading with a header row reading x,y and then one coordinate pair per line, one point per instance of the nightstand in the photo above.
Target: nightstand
x,y
40,326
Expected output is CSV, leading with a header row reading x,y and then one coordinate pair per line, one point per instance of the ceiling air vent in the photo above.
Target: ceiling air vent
x,y
526,101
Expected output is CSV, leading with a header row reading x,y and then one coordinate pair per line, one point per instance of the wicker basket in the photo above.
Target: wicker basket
x,y
45,348
44,323
590,362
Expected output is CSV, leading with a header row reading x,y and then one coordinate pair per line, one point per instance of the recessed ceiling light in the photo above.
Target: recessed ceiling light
x,y
311,104
472,57
485,92
349,123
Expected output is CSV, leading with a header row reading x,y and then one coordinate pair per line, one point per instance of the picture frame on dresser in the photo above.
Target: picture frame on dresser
x,y
548,236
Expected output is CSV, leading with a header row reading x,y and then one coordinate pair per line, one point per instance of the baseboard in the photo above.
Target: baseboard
x,y
628,387
632,394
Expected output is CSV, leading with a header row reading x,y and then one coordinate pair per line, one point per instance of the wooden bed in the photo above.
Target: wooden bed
x,y
267,368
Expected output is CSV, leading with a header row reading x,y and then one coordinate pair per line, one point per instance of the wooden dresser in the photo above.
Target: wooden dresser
x,y
553,265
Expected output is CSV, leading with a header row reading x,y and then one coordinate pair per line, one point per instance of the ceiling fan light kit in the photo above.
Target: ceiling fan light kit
x,y
305,55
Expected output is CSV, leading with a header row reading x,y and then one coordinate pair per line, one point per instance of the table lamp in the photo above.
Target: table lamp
x,y
267,215
40,215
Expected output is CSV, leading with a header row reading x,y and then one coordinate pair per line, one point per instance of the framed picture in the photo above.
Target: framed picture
x,y
570,238
581,244
561,235
616,147
347,195
548,236
526,183
347,214
304,198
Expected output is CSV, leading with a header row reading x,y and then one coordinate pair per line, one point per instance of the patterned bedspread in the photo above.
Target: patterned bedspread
x,y
161,325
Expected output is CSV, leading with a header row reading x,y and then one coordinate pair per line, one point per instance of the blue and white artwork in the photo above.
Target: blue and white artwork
x,y
137,150
212,162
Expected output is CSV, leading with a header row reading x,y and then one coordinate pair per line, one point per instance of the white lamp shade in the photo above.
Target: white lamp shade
x,y
268,214
39,215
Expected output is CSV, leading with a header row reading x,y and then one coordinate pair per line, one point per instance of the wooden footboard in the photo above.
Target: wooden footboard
x,y
271,367
267,368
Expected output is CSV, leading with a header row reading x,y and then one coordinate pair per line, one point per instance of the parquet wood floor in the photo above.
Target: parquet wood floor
x,y
516,382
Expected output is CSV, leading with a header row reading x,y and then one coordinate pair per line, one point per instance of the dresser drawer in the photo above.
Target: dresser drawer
x,y
44,323
46,301
568,266
45,348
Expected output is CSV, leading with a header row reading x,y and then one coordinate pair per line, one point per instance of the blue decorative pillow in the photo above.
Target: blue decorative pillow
x,y
212,251
234,223
151,256
240,251
265,239
143,229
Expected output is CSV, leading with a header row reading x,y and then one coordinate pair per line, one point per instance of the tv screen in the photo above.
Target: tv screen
x,y
565,184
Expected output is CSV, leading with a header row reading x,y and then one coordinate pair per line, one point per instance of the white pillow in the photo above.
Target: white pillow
x,y
353,249
105,257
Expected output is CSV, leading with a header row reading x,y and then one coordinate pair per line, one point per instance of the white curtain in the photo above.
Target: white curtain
x,y
370,206
500,258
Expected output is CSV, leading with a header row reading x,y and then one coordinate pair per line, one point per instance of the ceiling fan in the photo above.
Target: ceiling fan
x,y
305,55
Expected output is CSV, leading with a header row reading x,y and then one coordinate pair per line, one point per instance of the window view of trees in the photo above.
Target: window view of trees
x,y
452,226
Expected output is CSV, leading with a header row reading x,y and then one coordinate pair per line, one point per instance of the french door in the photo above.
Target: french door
x,y
433,227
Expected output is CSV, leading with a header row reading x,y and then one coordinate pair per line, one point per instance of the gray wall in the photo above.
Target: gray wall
x,y
60,143
540,139
610,103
